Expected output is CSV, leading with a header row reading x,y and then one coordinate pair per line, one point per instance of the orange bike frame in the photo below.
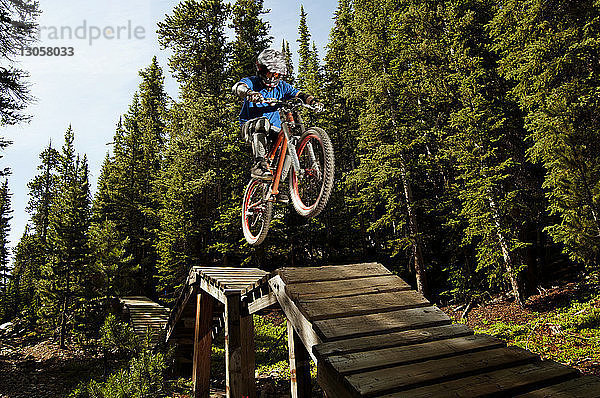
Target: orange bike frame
x,y
281,141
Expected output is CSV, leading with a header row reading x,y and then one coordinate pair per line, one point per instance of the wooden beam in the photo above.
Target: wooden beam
x,y
202,346
292,275
293,314
248,354
233,347
212,290
396,339
262,303
299,365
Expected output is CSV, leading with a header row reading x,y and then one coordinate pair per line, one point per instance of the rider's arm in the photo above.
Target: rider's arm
x,y
244,92
240,89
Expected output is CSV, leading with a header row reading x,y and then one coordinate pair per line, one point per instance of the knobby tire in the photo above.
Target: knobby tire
x,y
257,212
310,191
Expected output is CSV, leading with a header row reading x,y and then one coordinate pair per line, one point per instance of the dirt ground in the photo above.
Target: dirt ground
x,y
42,370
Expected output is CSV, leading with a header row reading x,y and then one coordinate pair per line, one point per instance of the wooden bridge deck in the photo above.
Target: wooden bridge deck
x,y
145,316
368,332
371,336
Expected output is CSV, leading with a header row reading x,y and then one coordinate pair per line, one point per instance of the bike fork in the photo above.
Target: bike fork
x,y
291,149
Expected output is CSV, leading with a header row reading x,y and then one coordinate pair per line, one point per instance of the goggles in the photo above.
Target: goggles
x,y
273,75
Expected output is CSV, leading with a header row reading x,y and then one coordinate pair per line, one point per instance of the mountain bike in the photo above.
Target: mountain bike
x,y
306,155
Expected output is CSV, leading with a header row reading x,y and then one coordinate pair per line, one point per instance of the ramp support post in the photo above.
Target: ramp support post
x,y
248,353
202,345
233,347
299,365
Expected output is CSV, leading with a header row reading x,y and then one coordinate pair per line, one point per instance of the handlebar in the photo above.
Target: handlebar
x,y
291,105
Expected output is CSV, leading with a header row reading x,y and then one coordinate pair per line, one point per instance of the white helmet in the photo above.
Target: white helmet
x,y
271,66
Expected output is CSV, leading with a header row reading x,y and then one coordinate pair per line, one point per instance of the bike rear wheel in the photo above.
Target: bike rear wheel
x,y
311,189
257,212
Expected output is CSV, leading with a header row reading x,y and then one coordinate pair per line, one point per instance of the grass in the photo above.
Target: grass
x,y
570,335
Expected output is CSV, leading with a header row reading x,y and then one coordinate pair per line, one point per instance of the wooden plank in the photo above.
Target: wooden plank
x,y
220,275
332,383
372,324
316,310
233,347
157,317
300,386
392,339
212,290
233,284
202,268
331,273
395,356
202,346
500,383
248,271
246,282
299,322
351,287
402,377
248,355
234,279
262,303
581,387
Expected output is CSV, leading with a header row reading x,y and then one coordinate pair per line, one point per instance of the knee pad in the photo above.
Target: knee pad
x,y
262,125
253,126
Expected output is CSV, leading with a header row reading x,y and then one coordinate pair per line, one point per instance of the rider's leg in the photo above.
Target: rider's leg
x,y
259,149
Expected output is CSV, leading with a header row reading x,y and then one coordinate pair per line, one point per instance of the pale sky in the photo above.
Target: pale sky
x,y
92,88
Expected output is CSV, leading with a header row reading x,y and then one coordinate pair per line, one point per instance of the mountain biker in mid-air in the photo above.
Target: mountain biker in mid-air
x,y
260,120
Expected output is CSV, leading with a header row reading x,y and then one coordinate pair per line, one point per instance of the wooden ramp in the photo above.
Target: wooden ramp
x,y
372,336
145,316
215,299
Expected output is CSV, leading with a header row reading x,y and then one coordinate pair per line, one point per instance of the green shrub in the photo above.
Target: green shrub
x,y
143,376
118,336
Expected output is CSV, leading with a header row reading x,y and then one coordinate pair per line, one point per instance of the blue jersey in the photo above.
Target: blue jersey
x,y
283,91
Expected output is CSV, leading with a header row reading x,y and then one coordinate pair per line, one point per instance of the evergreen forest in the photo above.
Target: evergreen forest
x,y
467,149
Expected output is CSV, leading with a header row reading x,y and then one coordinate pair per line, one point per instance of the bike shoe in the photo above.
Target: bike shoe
x,y
261,171
283,197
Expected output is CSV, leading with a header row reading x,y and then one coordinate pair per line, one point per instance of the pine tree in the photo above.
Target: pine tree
x,y
109,252
308,65
201,132
41,192
285,50
23,292
33,250
66,272
5,217
549,51
485,143
18,29
196,27
389,144
3,144
251,37
126,188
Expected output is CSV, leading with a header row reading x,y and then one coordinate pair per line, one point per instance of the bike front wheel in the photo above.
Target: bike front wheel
x,y
257,212
310,190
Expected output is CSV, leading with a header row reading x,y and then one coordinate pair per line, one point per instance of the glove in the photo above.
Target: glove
x,y
318,107
254,96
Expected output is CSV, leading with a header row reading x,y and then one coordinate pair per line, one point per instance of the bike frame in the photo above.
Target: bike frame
x,y
285,143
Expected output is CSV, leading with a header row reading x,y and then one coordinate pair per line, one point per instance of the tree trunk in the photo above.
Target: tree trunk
x,y
508,259
421,274
63,324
